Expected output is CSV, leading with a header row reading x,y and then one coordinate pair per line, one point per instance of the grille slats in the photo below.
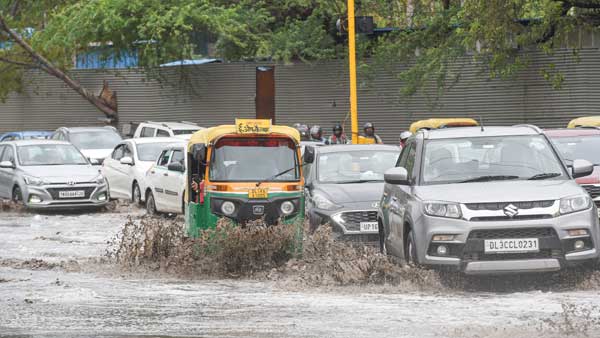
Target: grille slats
x,y
502,205
593,190
54,192
512,233
352,219
506,218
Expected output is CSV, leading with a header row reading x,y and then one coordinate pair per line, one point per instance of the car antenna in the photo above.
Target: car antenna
x,y
481,123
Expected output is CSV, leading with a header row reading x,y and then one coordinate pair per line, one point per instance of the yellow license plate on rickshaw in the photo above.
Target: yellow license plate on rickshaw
x,y
258,193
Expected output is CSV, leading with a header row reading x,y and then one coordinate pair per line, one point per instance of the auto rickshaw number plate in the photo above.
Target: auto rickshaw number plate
x,y
258,193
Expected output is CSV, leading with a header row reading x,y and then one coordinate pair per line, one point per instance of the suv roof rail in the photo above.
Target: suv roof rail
x,y
188,122
531,126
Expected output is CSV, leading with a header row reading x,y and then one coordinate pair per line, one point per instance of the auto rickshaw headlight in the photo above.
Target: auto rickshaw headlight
x,y
228,208
287,208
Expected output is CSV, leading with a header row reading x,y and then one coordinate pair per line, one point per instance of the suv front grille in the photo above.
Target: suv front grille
x,y
593,190
502,205
512,233
546,253
506,218
352,219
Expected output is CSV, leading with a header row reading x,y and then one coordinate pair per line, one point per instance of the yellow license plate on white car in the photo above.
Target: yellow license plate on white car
x,y
258,193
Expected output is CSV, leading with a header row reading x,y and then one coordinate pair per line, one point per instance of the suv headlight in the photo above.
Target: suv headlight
x,y
442,209
322,202
574,204
99,179
31,180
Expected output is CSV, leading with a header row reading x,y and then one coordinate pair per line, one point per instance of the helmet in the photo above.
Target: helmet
x,y
316,131
337,127
296,125
369,125
405,134
303,129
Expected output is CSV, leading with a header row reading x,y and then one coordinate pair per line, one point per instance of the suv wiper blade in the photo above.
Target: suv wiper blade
x,y
544,176
490,178
357,181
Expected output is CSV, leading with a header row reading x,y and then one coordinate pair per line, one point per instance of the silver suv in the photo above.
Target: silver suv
x,y
487,201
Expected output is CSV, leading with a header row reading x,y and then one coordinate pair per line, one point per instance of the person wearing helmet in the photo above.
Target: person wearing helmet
x,y
403,137
369,130
303,130
338,136
316,134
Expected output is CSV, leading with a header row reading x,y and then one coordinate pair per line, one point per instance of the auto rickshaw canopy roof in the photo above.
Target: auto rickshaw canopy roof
x,y
586,121
436,123
206,136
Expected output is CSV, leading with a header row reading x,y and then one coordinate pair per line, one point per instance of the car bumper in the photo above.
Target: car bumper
x,y
95,196
346,222
467,254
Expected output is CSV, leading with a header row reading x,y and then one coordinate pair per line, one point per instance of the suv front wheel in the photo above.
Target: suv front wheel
x,y
410,251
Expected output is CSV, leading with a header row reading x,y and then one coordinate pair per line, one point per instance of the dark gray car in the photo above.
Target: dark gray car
x,y
344,184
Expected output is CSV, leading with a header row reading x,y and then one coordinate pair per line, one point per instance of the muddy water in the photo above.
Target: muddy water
x,y
56,281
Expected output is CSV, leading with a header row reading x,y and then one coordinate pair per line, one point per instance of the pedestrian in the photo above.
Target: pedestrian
x,y
338,136
316,134
369,130
403,137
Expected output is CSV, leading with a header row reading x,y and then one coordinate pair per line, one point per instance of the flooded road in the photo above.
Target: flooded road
x,y
55,281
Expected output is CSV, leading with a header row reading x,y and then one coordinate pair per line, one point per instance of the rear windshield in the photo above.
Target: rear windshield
x,y
95,139
256,159
184,131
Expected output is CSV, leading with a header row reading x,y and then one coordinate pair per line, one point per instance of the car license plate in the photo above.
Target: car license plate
x,y
369,227
511,245
258,193
71,194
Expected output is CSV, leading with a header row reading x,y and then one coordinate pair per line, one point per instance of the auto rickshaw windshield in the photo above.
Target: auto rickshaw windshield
x,y
254,159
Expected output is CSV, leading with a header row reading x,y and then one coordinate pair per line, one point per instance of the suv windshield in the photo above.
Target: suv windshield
x,y
355,166
579,147
490,158
50,154
150,151
95,139
184,131
254,159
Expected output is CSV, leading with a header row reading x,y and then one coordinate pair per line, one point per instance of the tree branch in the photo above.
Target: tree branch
x,y
18,63
14,9
49,68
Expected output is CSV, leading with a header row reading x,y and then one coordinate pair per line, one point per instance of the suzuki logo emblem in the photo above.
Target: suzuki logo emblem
x,y
511,210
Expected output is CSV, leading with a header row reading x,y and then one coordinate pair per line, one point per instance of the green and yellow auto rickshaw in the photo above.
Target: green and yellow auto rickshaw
x,y
247,171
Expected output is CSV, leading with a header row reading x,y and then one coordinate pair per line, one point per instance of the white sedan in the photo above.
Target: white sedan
x,y
166,181
126,168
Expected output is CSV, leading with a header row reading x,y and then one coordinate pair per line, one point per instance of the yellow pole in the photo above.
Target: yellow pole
x,y
352,62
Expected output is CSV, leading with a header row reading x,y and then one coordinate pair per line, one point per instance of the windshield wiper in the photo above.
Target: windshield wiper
x,y
276,175
490,178
544,176
357,181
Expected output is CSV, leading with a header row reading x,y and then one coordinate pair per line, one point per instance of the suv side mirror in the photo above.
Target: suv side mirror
x,y
582,168
397,175
176,166
7,165
126,160
309,154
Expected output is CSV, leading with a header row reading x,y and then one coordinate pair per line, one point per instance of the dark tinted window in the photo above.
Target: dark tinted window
x,y
162,133
147,132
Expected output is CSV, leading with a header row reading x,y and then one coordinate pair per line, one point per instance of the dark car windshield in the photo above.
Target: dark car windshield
x,y
50,154
150,151
95,139
580,147
184,131
490,158
254,159
355,166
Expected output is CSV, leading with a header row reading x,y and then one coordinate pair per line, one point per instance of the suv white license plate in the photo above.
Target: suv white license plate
x,y
71,194
511,245
369,227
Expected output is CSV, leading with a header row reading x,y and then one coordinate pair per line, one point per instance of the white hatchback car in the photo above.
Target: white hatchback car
x,y
166,181
125,170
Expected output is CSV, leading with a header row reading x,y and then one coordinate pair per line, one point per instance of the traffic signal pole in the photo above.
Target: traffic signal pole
x,y
352,64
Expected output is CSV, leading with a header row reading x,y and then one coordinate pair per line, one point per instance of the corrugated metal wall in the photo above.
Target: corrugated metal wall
x,y
214,94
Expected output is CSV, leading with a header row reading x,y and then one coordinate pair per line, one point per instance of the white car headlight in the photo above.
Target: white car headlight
x,y
574,204
322,202
442,209
31,180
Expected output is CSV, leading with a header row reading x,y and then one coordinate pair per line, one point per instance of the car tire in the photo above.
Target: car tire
x,y
410,251
17,194
314,222
151,205
136,194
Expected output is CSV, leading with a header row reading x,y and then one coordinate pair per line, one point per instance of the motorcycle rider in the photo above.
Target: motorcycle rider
x,y
316,134
403,137
369,130
338,136
304,131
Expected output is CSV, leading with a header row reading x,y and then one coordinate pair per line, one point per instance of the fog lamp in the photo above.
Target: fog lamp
x,y
443,238
287,208
577,232
34,199
579,245
442,250
228,208
102,197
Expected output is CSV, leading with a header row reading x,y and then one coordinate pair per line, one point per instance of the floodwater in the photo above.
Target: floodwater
x,y
56,281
